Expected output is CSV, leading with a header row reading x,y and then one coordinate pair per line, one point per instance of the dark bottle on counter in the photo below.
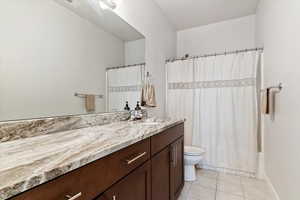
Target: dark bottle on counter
x,y
138,106
138,112
127,106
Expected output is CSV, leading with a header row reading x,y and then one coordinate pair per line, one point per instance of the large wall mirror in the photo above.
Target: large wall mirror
x,y
51,50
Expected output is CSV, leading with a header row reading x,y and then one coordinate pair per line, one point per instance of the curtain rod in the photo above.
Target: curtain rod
x,y
216,54
125,66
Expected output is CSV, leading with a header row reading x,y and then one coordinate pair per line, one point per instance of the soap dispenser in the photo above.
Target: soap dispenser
x,y
127,106
138,106
138,111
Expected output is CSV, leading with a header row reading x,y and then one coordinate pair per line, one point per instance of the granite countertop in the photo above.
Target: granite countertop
x,y
26,163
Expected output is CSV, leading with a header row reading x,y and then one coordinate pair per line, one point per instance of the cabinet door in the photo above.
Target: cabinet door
x,y
177,168
102,197
136,186
160,166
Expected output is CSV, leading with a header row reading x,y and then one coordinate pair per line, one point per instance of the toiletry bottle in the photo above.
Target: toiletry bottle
x,y
127,106
138,106
138,111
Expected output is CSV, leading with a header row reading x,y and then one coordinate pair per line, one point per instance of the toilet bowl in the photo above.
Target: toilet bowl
x,y
192,157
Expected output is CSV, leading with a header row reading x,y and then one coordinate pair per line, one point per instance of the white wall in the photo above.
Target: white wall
x,y
278,30
135,52
227,35
148,19
48,53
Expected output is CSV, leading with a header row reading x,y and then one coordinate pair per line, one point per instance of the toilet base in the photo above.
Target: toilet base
x,y
189,173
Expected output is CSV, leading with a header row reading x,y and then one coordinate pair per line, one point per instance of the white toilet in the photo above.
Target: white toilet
x,y
192,157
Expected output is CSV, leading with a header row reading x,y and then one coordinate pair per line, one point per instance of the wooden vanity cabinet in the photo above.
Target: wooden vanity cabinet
x,y
151,169
160,165
168,172
87,182
168,164
177,168
135,186
161,178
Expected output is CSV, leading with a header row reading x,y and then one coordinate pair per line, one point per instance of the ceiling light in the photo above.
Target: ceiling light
x,y
107,4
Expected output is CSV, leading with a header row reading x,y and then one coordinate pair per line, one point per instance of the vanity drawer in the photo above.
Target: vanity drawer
x,y
162,140
91,180
58,189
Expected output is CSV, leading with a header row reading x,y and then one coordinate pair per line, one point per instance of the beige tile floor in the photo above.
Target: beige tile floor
x,y
211,185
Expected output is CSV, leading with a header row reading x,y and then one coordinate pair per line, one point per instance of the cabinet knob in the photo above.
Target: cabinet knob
x,y
76,196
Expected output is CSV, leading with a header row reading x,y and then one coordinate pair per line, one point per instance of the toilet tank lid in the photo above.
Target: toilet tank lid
x,y
194,151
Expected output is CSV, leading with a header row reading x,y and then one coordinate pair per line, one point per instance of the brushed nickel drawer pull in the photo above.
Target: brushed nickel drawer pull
x,y
174,154
136,158
171,154
74,197
176,151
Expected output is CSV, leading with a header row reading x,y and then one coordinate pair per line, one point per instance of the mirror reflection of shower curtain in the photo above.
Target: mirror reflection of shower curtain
x,y
218,96
124,84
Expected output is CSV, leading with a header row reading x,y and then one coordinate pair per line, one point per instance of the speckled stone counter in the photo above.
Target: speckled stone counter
x,y
20,129
28,162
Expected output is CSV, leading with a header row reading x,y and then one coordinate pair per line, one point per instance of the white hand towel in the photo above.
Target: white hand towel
x,y
148,96
272,94
90,103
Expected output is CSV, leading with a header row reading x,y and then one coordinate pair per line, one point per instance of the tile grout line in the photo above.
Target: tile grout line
x,y
242,181
243,188
189,191
216,191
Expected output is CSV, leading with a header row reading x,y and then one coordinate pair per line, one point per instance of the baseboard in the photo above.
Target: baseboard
x,y
261,174
274,193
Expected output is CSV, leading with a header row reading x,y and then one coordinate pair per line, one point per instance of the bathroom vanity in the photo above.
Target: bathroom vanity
x,y
67,137
130,161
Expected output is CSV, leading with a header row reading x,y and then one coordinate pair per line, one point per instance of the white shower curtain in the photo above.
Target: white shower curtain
x,y
179,99
218,97
124,84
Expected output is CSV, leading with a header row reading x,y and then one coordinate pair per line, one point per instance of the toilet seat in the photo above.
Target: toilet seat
x,y
193,151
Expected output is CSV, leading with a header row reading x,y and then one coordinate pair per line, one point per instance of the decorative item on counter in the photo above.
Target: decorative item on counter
x,y
138,106
148,98
127,106
137,113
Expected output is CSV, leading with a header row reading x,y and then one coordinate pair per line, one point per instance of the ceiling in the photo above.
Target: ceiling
x,y
105,19
184,14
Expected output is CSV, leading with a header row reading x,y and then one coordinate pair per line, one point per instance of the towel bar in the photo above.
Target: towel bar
x,y
279,87
84,95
